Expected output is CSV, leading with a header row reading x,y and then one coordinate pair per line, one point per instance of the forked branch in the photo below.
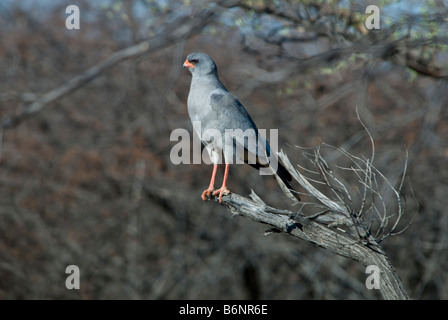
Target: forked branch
x,y
351,220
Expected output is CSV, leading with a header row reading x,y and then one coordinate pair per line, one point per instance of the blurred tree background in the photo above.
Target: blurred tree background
x,y
89,180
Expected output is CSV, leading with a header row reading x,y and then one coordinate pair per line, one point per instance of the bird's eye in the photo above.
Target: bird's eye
x,y
194,60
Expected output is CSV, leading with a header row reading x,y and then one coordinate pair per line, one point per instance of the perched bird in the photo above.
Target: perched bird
x,y
219,112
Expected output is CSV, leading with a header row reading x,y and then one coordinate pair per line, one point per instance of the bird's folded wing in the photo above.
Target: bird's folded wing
x,y
235,122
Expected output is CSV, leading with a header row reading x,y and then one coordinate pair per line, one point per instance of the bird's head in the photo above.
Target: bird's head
x,y
200,64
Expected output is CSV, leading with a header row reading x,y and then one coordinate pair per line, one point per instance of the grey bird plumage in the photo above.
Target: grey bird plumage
x,y
219,112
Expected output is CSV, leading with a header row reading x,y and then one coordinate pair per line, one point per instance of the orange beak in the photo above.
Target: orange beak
x,y
188,64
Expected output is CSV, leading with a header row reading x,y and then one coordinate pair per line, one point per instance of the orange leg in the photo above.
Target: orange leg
x,y
211,187
223,189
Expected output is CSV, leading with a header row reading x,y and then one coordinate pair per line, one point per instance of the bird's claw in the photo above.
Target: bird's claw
x,y
221,191
207,193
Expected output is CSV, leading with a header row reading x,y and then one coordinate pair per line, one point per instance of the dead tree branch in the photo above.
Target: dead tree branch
x,y
350,225
322,236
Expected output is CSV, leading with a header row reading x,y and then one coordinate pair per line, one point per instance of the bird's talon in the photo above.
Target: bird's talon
x,y
221,192
206,194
